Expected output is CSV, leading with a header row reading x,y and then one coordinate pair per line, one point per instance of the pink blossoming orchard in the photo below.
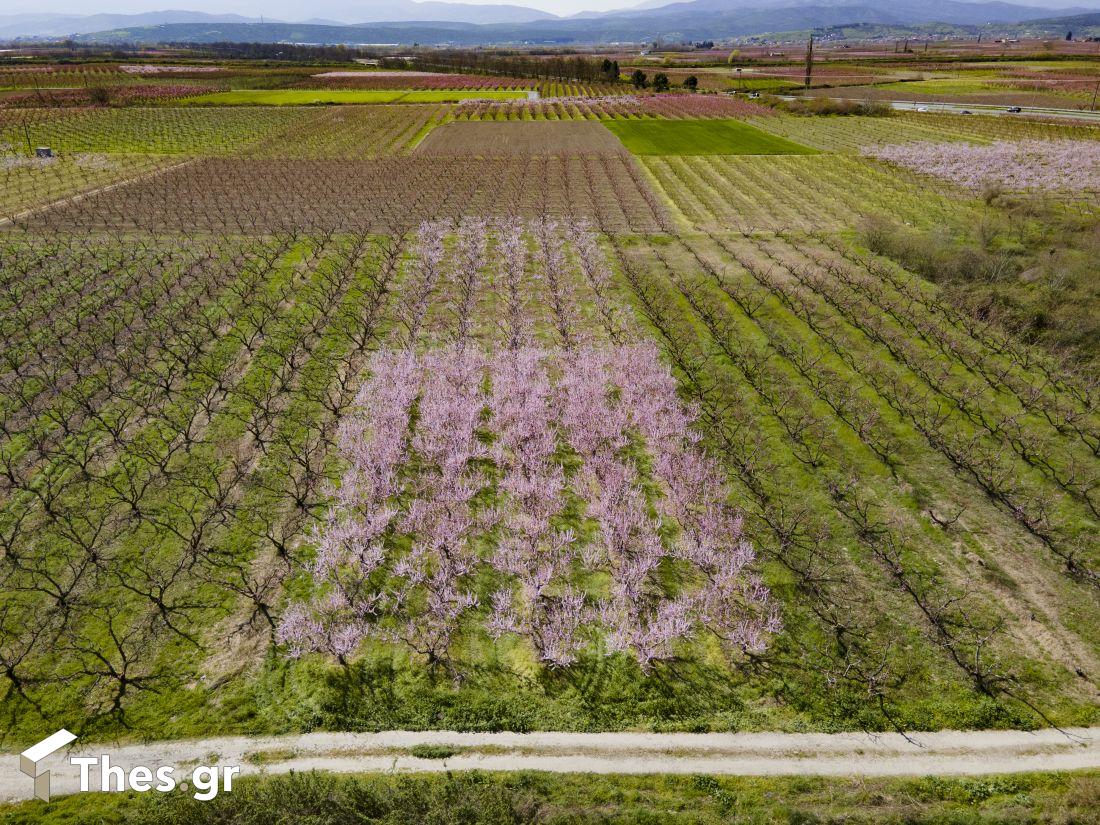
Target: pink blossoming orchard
x,y
558,496
1055,165
527,486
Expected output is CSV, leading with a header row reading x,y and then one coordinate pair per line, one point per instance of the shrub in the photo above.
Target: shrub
x,y
99,96
1027,264
317,797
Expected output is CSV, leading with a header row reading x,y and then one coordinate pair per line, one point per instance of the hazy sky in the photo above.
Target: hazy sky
x,y
283,9
345,9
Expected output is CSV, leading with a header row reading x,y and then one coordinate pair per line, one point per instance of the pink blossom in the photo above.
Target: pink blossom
x,y
477,490
1071,165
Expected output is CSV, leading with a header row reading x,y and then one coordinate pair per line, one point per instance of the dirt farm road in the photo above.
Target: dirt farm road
x,y
887,754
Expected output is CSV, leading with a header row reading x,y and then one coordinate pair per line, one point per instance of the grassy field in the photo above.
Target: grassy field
x,y
701,137
577,799
969,85
314,97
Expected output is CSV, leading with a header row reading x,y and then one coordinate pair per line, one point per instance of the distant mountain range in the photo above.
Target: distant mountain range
x,y
694,20
59,25
336,14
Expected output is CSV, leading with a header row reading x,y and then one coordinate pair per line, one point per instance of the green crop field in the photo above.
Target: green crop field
x,y
311,97
701,137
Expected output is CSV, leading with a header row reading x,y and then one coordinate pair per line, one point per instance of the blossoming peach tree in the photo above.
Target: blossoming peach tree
x,y
558,497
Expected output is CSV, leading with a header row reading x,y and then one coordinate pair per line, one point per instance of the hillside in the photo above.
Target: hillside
x,y
686,22
60,25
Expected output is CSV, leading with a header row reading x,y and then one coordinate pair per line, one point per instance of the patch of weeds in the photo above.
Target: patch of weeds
x,y
434,751
270,756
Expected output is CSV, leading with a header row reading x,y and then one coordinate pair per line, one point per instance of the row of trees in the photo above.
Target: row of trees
x,y
165,423
754,378
298,53
661,82
392,194
956,419
556,67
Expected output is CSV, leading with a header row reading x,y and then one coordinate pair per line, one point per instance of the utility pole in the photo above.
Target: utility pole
x,y
1094,91
27,135
37,91
810,61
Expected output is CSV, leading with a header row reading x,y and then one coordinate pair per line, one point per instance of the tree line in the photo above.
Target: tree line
x,y
557,67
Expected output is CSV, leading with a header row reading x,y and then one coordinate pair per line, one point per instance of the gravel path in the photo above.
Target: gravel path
x,y
945,752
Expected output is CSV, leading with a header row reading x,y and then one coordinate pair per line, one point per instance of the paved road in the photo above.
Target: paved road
x,y
977,108
750,754
986,109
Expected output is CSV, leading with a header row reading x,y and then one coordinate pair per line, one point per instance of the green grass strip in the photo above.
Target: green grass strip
x,y
701,137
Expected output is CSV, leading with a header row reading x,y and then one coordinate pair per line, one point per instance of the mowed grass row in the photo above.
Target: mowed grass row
x,y
701,137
